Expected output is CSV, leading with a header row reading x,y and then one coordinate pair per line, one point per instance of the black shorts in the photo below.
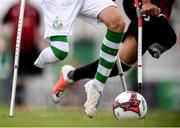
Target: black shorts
x,y
26,62
157,30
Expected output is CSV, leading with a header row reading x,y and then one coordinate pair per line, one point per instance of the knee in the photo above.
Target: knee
x,y
113,19
116,24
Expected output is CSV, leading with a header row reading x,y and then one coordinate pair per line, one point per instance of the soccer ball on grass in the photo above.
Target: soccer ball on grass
x,y
129,105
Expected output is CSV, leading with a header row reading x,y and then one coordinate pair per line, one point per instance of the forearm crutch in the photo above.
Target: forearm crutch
x,y
139,54
17,52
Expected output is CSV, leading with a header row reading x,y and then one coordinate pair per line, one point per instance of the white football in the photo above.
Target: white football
x,y
129,105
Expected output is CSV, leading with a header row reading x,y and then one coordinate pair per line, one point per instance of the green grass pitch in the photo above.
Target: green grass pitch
x,y
76,117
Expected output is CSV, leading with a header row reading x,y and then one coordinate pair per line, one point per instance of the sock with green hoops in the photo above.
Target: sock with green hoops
x,y
57,51
108,56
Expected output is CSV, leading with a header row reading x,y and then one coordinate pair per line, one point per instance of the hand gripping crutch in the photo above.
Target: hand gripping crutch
x,y
139,54
17,52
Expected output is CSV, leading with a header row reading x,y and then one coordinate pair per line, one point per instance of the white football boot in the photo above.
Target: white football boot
x,y
93,98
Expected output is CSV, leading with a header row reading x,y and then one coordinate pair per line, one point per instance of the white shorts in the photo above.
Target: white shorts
x,y
59,15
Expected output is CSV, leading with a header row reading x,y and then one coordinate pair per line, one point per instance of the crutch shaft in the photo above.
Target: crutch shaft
x,y
121,74
16,61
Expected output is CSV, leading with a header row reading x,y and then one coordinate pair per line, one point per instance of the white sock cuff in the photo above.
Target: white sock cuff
x,y
98,85
63,46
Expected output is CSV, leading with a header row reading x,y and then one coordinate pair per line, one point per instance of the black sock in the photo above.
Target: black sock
x,y
89,71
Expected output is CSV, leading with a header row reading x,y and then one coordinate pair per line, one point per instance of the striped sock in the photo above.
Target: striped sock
x,y
56,52
108,56
59,46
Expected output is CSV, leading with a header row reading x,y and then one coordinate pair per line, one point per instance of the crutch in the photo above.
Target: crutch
x,y
139,54
17,52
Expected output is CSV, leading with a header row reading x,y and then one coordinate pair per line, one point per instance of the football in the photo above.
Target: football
x,y
129,105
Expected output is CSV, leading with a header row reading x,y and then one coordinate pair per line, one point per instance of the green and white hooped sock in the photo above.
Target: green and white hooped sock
x,y
57,51
108,56
60,46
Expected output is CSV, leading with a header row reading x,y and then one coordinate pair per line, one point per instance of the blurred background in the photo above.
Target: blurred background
x,y
161,77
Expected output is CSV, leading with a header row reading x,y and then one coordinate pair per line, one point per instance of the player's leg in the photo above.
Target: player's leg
x,y
57,51
110,46
58,25
108,55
